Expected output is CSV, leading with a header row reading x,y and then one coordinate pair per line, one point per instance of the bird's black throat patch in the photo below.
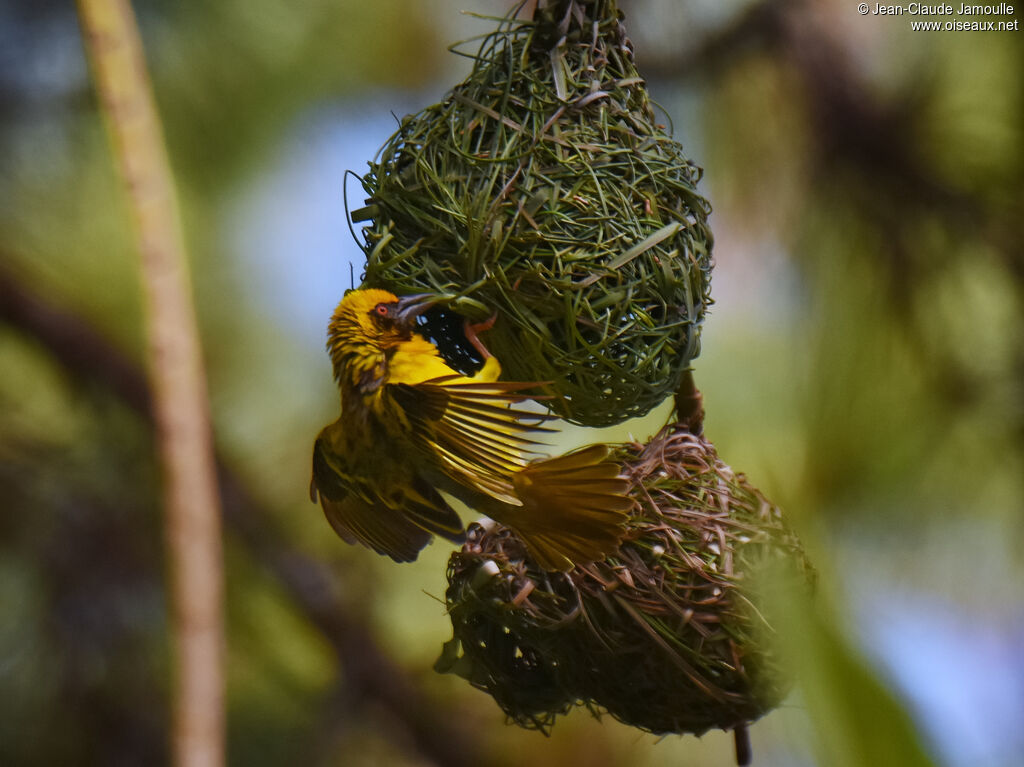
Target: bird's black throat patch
x,y
447,331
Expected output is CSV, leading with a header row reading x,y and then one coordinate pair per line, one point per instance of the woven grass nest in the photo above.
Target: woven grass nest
x,y
542,188
665,636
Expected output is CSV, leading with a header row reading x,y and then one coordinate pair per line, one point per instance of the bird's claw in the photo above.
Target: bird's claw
x,y
472,329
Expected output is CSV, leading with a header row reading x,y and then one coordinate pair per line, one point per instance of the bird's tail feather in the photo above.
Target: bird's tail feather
x,y
574,507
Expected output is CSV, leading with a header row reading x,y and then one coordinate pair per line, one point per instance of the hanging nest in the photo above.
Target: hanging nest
x,y
543,188
666,635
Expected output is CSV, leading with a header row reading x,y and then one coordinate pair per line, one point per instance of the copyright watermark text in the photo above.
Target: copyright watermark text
x,y
951,18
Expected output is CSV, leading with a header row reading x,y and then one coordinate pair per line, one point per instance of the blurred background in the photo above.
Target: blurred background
x,y
863,364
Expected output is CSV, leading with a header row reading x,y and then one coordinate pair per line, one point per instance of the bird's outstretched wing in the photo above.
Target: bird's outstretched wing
x,y
392,518
478,438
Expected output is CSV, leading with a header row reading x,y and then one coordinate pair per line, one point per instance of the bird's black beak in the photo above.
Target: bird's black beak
x,y
411,307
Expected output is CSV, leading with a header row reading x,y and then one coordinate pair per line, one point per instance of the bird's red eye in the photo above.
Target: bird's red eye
x,y
381,309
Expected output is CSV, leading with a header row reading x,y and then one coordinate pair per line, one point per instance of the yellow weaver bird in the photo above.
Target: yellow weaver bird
x,y
411,425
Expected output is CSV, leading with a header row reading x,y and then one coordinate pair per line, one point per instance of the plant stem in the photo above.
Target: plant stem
x,y
181,409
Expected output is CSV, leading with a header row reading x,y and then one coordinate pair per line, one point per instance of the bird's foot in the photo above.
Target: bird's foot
x,y
472,329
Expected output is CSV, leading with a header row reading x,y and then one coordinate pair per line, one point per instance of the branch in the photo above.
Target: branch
x,y
87,356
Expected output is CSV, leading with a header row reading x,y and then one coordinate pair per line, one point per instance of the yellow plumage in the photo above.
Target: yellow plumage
x,y
410,425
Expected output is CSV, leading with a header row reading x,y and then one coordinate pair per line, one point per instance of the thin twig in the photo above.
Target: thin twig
x,y
192,515
744,755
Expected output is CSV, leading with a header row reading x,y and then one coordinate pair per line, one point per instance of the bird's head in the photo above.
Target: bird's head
x,y
368,323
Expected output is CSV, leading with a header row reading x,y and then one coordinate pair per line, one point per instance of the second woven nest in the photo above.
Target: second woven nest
x,y
667,635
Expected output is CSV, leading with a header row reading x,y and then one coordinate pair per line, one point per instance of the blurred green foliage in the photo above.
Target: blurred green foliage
x,y
863,365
